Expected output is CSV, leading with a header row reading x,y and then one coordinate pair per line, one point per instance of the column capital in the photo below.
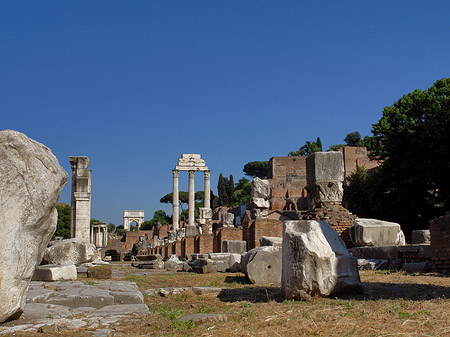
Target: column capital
x,y
191,174
175,173
207,173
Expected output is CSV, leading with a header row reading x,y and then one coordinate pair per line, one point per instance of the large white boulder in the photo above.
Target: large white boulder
x,y
315,261
373,232
71,251
262,265
31,181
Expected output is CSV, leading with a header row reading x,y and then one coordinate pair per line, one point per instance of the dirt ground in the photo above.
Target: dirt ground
x,y
393,304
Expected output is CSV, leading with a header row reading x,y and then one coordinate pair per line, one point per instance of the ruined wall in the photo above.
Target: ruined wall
x,y
225,233
131,238
254,230
338,217
440,243
287,178
356,156
204,244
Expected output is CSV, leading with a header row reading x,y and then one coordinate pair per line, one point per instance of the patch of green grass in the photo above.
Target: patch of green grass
x,y
181,297
49,316
247,310
392,308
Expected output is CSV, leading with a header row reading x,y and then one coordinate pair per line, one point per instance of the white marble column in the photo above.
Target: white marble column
x,y
207,199
191,198
175,200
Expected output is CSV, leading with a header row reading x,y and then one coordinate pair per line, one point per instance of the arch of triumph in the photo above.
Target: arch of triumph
x,y
192,163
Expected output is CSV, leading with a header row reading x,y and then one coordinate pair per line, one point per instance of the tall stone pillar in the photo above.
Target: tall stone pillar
x,y
175,201
191,198
207,200
81,199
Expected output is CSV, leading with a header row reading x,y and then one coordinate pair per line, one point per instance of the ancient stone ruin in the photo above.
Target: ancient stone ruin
x,y
132,216
31,181
80,207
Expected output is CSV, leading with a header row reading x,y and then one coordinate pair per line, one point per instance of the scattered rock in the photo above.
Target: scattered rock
x,y
270,241
234,246
372,232
417,267
52,272
316,261
99,272
262,265
31,181
420,236
71,251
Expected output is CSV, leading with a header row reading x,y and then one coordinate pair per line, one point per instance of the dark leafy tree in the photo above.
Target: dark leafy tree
x,y
258,169
159,216
111,227
412,139
319,144
242,191
63,224
354,139
222,189
336,147
307,149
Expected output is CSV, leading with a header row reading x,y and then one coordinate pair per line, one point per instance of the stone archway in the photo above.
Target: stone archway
x,y
132,216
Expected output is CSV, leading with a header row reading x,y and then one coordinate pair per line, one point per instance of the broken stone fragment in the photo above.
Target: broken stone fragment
x,y
373,232
316,261
31,181
71,251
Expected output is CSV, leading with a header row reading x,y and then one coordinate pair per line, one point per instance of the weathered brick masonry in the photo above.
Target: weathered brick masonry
x,y
440,243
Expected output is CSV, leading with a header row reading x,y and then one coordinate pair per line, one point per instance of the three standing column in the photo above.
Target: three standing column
x,y
175,201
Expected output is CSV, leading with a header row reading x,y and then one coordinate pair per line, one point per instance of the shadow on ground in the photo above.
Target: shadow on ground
x,y
372,291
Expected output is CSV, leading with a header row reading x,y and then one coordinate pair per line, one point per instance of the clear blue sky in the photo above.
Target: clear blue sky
x,y
133,84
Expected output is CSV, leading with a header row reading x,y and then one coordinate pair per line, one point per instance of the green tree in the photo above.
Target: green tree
x,y
307,149
63,224
357,193
110,228
336,147
354,139
159,216
412,139
222,186
319,144
242,191
258,169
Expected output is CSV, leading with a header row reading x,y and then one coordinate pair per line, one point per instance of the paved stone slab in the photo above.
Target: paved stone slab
x,y
120,309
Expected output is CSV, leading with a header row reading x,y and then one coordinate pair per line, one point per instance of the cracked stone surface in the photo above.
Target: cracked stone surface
x,y
52,306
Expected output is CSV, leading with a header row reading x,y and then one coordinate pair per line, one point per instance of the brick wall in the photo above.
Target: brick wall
x,y
440,243
254,230
204,244
187,246
225,233
338,217
133,237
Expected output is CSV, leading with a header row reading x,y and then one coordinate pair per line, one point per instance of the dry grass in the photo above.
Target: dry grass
x,y
394,304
